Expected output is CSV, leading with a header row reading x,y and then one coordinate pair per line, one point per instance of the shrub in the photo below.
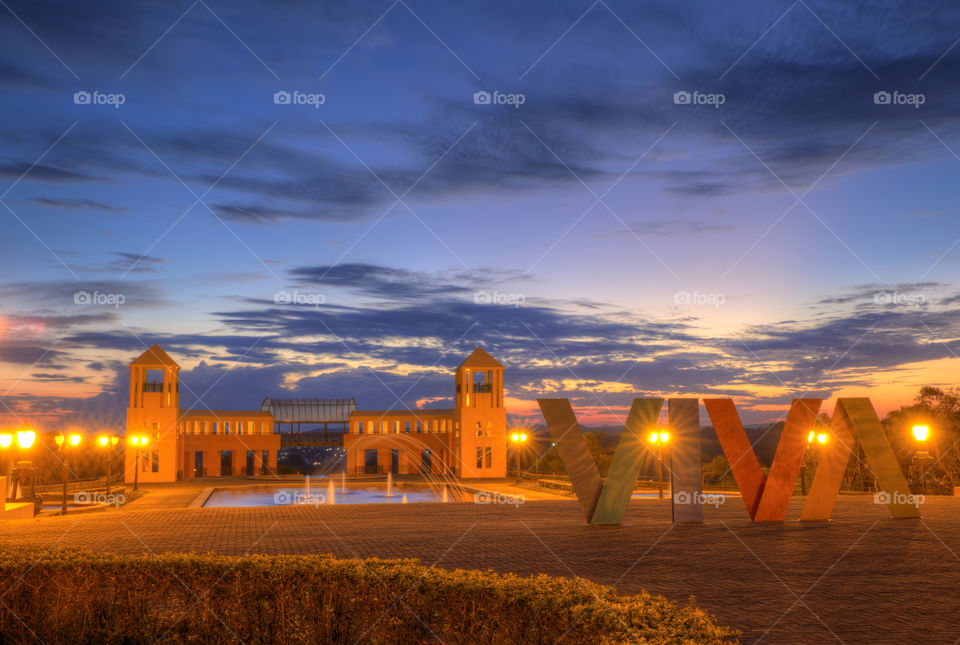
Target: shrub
x,y
66,596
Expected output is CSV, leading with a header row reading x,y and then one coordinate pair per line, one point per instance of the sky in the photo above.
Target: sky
x,y
615,199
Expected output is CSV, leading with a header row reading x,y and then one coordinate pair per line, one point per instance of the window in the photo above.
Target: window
x,y
489,457
418,426
226,427
155,461
407,428
265,461
479,457
214,424
239,427
359,427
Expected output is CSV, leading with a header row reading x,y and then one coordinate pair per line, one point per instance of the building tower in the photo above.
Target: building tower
x,y
480,417
153,412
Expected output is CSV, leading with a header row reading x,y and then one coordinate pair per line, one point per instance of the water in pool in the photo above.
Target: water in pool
x,y
322,493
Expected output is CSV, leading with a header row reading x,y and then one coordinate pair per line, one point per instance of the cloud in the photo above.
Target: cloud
x,y
667,228
71,204
399,284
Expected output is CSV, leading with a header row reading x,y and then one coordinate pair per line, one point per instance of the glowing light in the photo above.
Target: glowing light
x,y
6,440
810,436
103,440
659,436
822,438
75,439
523,437
134,440
59,439
25,438
921,432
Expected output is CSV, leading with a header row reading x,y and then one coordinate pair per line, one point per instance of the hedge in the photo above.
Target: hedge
x,y
68,596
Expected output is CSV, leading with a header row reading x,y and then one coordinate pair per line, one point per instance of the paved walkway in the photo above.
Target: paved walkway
x,y
862,578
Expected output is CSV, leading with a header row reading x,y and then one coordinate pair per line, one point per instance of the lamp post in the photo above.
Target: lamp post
x,y
109,442
658,439
819,437
920,433
66,443
137,442
23,469
518,440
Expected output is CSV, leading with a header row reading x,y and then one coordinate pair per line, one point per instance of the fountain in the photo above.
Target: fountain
x,y
307,485
390,485
331,493
403,500
443,497
343,482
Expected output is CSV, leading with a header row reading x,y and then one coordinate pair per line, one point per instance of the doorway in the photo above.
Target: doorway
x,y
226,463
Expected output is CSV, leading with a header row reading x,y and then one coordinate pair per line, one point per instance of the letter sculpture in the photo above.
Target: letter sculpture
x,y
766,497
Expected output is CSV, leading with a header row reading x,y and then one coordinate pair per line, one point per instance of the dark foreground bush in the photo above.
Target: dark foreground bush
x,y
61,596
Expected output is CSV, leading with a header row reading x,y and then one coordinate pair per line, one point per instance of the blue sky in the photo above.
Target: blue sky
x,y
602,239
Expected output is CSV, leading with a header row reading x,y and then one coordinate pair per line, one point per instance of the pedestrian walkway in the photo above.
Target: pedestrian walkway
x,y
862,578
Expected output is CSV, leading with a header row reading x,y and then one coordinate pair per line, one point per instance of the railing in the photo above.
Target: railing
x,y
77,485
383,470
483,388
153,387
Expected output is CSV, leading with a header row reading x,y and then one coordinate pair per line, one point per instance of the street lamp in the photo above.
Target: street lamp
x,y
659,438
921,433
518,439
813,437
64,443
23,470
138,443
109,442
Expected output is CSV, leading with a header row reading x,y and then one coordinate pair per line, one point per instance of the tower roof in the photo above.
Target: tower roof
x,y
155,356
480,358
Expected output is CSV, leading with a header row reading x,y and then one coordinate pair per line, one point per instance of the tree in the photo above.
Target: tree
x,y
940,410
717,471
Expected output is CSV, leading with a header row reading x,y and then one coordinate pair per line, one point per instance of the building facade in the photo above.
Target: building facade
x,y
186,444
467,441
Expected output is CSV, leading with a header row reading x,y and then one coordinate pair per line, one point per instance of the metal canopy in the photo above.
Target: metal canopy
x,y
309,410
